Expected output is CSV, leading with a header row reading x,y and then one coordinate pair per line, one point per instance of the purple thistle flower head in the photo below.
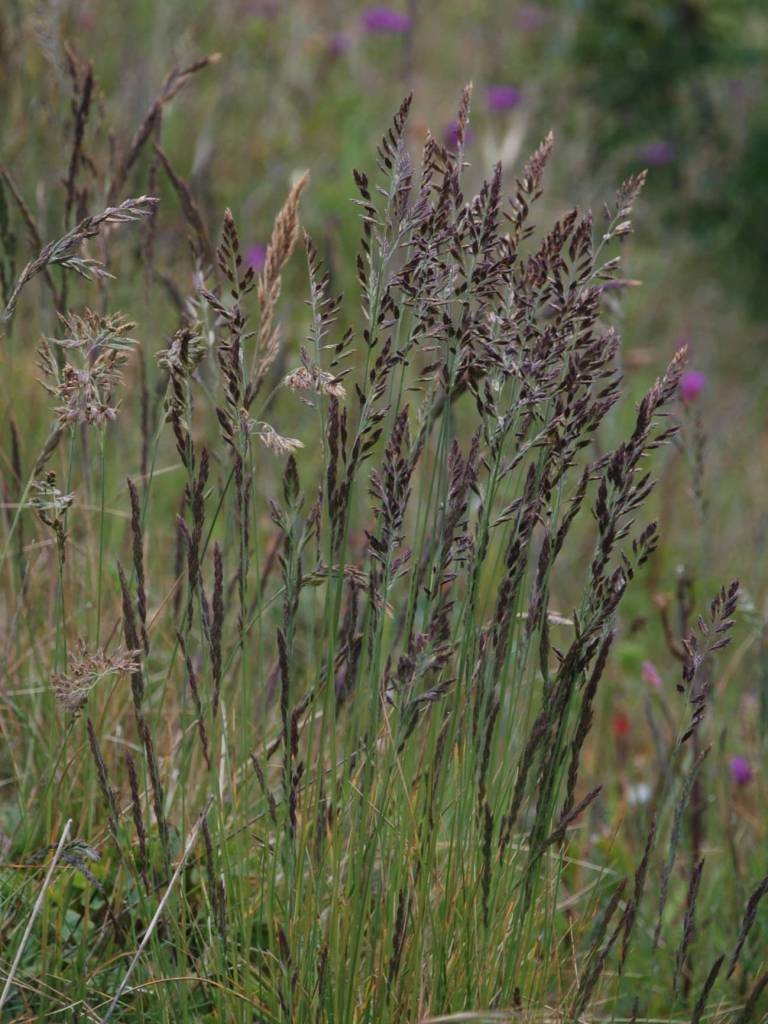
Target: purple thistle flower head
x,y
651,675
256,256
692,383
263,8
658,153
741,771
339,44
385,19
503,97
530,18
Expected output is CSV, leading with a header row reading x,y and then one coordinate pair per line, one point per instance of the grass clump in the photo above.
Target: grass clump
x,y
315,709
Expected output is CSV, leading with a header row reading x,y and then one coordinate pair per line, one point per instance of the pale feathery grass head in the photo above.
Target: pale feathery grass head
x,y
269,437
66,251
311,377
282,242
85,388
86,670
50,503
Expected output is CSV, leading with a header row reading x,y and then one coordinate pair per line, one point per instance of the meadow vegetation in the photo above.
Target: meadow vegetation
x,y
365,603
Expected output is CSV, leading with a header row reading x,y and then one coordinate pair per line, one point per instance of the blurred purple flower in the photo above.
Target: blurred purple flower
x,y
385,19
651,675
658,153
263,8
740,88
451,135
503,97
692,383
530,18
256,256
339,44
741,772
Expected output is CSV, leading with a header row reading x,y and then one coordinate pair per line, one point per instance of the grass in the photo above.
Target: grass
x,y
317,643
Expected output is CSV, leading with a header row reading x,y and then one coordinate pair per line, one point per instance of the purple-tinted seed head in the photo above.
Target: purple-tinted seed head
x,y
651,675
451,135
503,97
385,19
741,771
256,256
692,383
658,153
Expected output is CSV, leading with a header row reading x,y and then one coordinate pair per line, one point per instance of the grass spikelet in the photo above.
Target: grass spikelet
x,y
138,561
282,242
750,915
138,819
106,789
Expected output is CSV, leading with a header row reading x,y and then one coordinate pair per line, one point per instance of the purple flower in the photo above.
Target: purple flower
x,y
451,135
339,44
530,18
503,97
385,19
263,8
256,256
692,383
651,675
658,153
741,772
